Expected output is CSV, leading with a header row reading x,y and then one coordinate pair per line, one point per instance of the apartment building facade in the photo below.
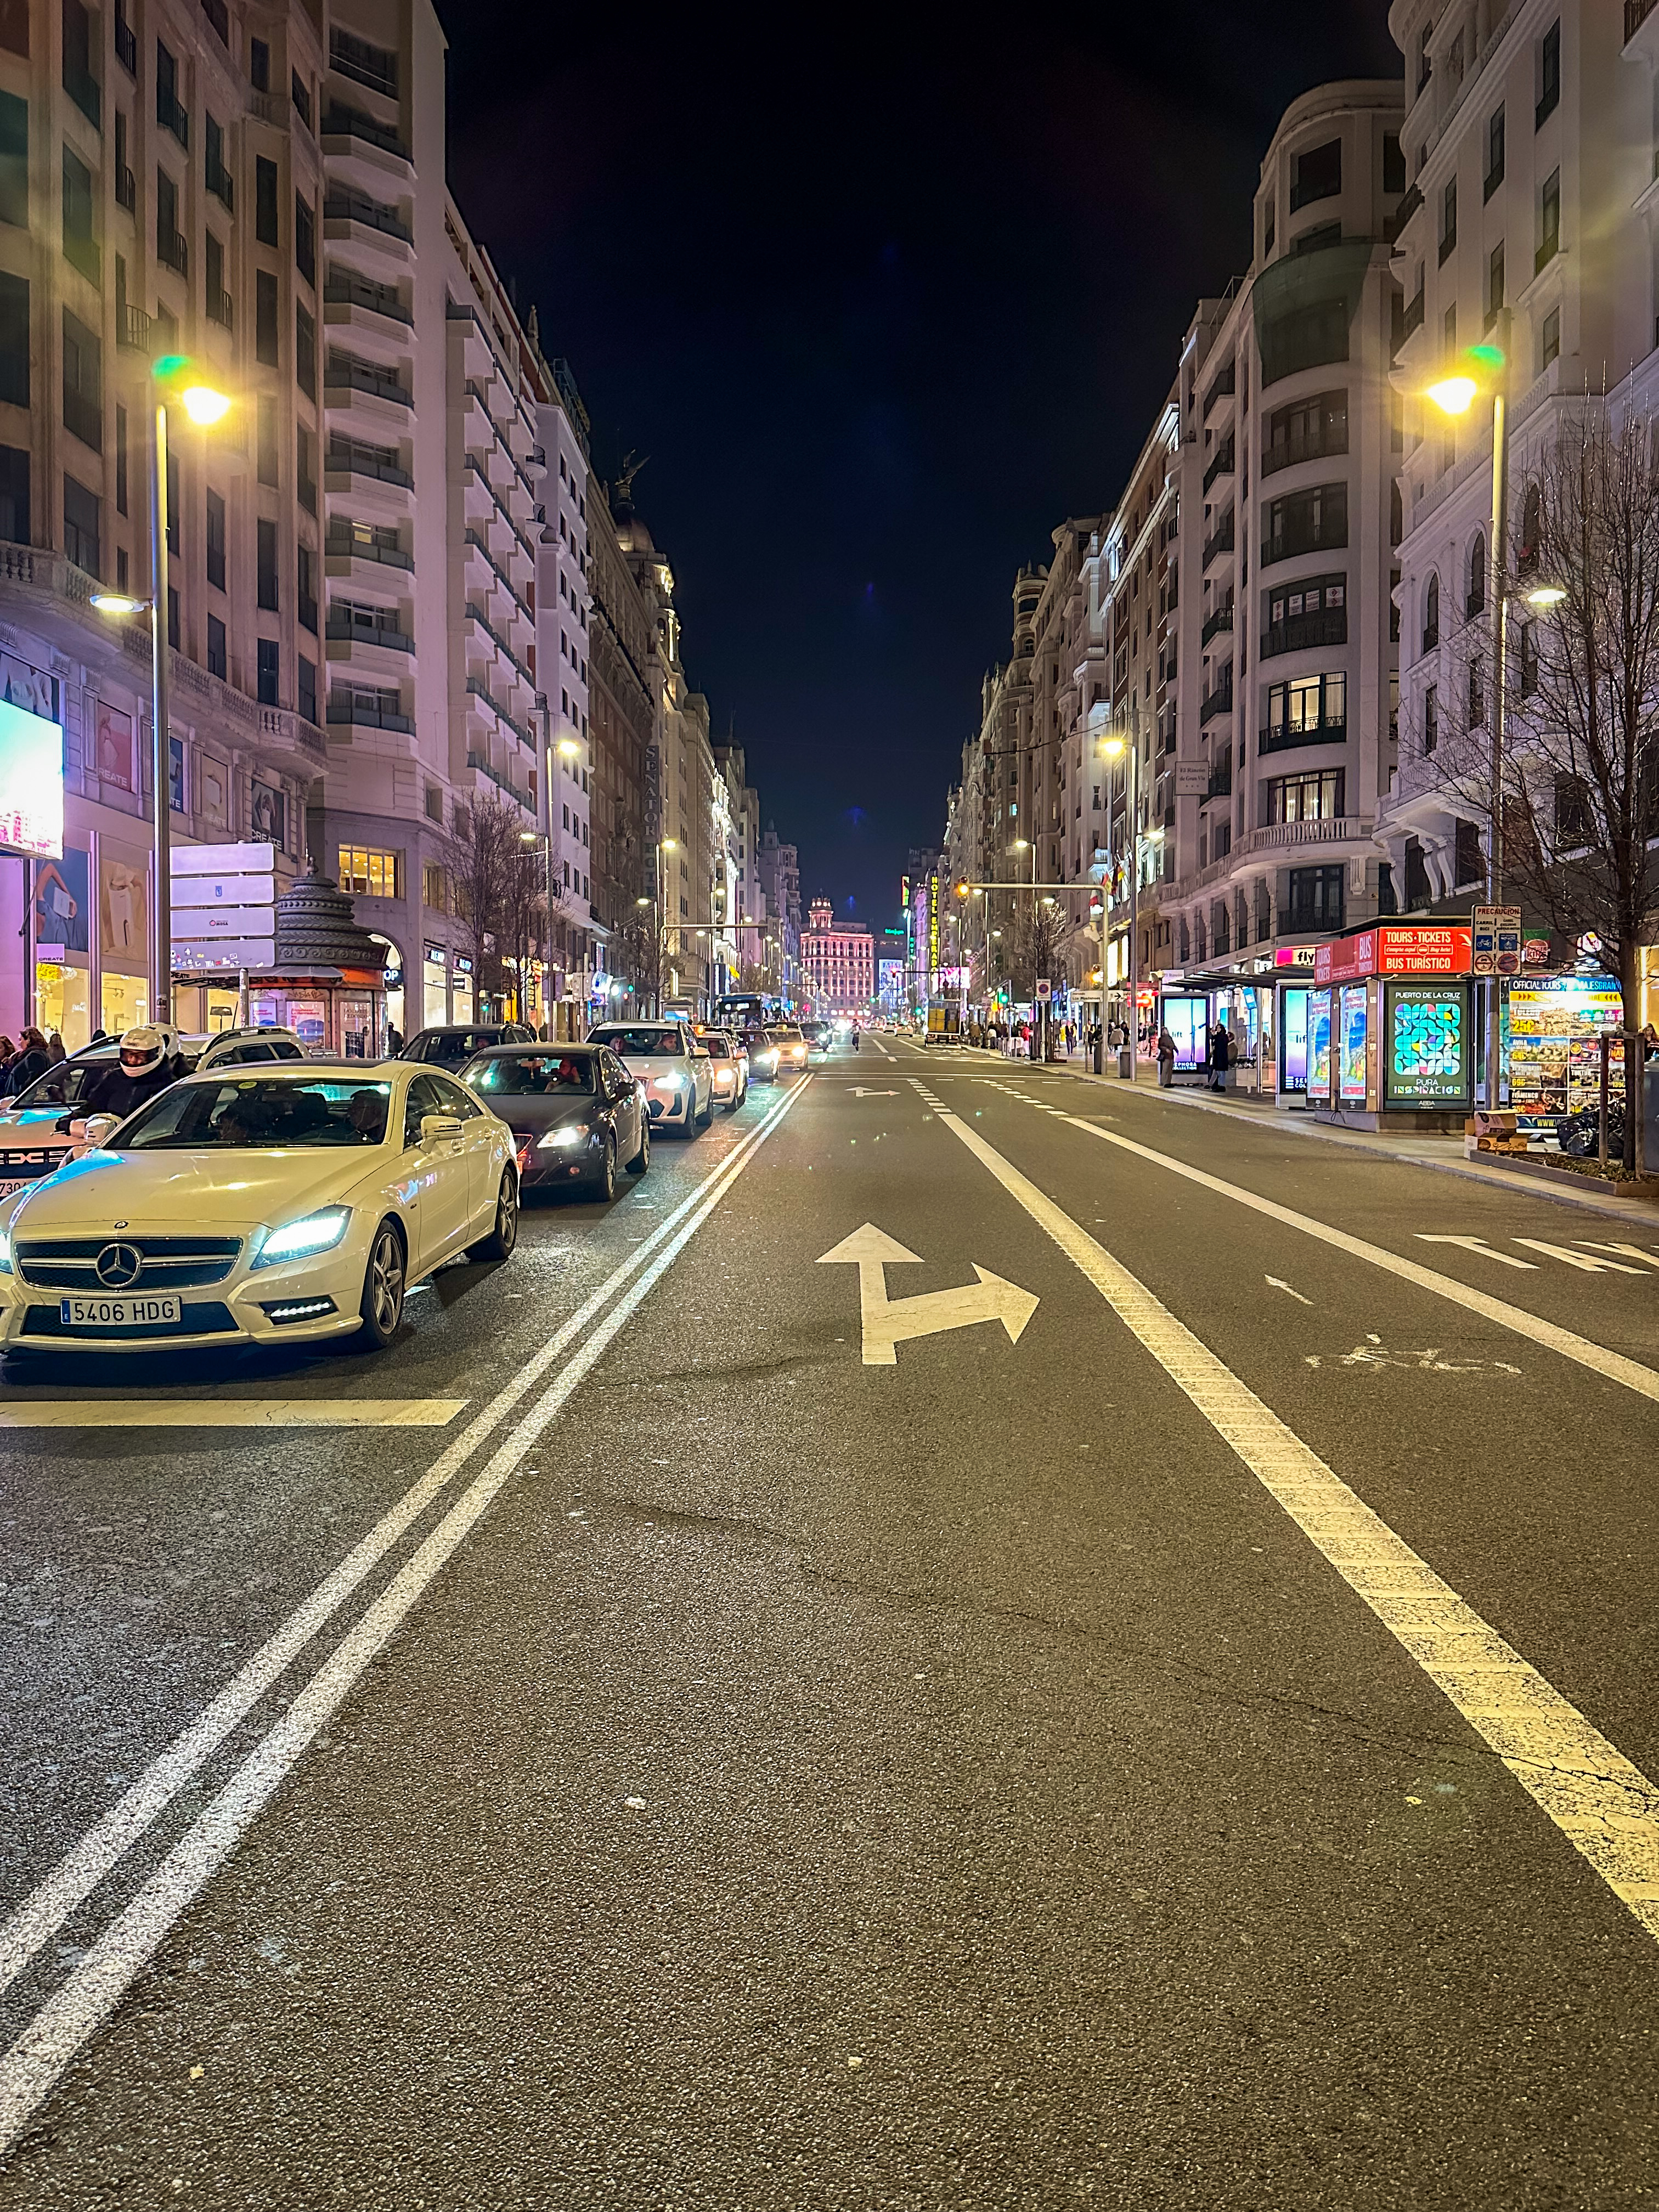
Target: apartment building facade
x,y
840,961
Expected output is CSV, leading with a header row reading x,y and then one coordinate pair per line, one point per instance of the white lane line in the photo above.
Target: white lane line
x,y
231,1413
1606,1807
80,2003
1612,1365
44,1912
1582,1261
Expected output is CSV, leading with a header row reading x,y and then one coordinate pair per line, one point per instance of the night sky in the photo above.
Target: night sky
x,y
883,310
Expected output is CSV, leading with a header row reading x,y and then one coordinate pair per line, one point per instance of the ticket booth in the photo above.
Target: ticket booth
x,y
1391,1039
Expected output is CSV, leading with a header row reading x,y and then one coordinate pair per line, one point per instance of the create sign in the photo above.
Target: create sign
x,y
1404,949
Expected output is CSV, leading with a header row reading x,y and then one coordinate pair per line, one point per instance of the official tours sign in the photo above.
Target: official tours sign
x,y
1426,1045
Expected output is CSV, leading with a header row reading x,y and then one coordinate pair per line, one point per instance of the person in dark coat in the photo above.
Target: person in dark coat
x,y
32,1059
1220,1056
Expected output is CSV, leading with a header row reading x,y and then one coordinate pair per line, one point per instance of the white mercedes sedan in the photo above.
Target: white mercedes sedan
x,y
246,1207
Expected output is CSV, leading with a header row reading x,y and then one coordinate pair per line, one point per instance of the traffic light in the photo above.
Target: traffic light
x,y
962,891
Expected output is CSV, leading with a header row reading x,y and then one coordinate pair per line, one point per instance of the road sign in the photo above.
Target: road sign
x,y
1496,931
1045,989
890,1322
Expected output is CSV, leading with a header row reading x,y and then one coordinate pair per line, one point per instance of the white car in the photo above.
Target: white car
x,y
255,1205
672,1067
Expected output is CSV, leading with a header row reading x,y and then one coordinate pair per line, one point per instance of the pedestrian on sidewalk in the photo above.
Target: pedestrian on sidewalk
x,y
1220,1056
1166,1059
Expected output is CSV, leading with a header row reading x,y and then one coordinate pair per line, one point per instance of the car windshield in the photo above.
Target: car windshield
x,y
526,1074
449,1048
667,1043
260,1114
786,1036
720,1045
68,1084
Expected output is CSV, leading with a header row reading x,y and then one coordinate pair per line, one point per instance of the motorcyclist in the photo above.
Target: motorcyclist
x,y
149,1062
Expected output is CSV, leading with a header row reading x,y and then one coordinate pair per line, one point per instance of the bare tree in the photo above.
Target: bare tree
x,y
489,858
1042,929
1579,798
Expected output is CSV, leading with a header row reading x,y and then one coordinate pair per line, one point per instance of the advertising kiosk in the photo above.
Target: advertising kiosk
x,y
1390,1028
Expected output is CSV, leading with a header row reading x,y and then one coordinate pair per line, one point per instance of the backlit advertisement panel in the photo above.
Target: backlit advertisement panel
x,y
1425,1030
30,783
1351,1077
1293,1040
1187,1017
1319,1046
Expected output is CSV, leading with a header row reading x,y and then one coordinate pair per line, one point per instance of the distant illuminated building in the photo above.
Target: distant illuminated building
x,y
840,961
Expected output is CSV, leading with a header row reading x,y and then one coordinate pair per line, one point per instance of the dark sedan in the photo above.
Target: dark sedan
x,y
453,1046
575,1113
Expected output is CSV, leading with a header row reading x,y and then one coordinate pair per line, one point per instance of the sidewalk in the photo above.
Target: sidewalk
x,y
1445,1155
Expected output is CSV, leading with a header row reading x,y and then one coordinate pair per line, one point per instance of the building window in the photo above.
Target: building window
x,y
218,663
1306,522
1549,75
215,540
169,113
1431,718
1477,692
434,802
1317,174
1317,898
80,248
305,351
13,494
1306,431
1304,337
1313,611
1494,151
1394,164
83,383
307,444
14,159
81,540
1549,221
267,665
1549,340
1474,600
267,439
267,542
1314,797
1431,612
305,238
173,617
265,318
1495,284
307,588
264,200
15,339
216,174
307,695
218,301
369,873
80,83
259,64
302,99
1306,709
1448,219
432,875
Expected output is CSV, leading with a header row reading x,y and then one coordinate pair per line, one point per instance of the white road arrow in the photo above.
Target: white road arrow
x,y
891,1322
859,1093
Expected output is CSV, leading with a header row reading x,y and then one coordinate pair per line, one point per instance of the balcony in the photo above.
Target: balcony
x,y
1330,438
1225,383
346,545
132,328
367,712
219,308
1221,778
172,251
1222,619
478,545
126,48
1218,701
342,122
344,372
84,89
346,457
1413,316
1327,626
1325,732
1221,542
221,184
126,189
349,628
172,115
342,289
219,15
267,108
478,761
1546,253
357,207
478,688
475,613
1223,462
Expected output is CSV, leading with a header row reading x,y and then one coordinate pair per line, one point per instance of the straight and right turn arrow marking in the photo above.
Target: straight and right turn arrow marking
x,y
889,1322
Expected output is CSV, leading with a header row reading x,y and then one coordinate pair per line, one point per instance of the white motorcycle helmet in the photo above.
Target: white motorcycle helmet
x,y
147,1048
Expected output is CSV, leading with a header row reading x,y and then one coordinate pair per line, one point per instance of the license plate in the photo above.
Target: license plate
x,y
117,1313
11,1190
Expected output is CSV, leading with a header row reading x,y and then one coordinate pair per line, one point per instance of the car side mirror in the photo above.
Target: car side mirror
x,y
438,1128
96,1130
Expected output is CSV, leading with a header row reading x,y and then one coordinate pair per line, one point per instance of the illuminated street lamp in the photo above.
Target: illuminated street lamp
x,y
1117,747
1486,368
203,405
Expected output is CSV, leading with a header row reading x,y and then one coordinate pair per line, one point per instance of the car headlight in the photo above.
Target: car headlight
x,y
302,1239
563,1140
672,1084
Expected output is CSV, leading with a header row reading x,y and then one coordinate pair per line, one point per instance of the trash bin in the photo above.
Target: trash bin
x,y
1125,1062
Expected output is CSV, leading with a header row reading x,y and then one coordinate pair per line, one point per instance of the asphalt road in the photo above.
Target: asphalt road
x,y
1182,1743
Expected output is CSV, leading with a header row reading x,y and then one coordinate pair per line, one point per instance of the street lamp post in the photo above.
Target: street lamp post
x,y
1455,394
204,406
1114,748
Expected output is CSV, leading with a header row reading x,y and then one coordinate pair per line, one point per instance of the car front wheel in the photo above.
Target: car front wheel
x,y
381,1305
605,1183
504,1233
641,1159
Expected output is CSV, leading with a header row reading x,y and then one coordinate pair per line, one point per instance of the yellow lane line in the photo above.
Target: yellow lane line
x,y
231,1413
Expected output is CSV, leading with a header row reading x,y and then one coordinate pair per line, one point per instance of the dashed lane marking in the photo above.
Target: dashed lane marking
x,y
1606,1807
231,1413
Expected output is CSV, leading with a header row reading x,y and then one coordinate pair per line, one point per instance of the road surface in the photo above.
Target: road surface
x,y
1166,1719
